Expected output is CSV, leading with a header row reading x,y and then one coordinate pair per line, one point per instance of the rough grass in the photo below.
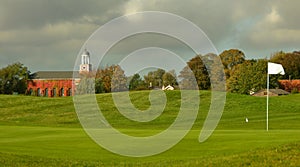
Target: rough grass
x,y
38,131
37,111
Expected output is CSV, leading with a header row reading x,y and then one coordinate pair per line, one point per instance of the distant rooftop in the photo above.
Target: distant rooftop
x,y
56,75
263,92
279,91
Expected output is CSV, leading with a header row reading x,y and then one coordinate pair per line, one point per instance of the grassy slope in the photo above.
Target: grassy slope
x,y
37,131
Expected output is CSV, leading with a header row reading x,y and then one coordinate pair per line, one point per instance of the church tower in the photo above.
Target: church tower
x,y
85,65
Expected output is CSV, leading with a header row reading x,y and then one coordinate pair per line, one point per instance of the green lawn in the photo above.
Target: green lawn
x,y
38,131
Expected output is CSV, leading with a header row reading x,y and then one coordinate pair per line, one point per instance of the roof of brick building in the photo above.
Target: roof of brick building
x,y
56,75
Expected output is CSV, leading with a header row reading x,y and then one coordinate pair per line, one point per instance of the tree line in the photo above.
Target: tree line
x,y
241,75
251,75
13,79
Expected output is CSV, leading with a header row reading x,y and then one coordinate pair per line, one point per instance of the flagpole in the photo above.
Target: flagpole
x,y
268,78
273,68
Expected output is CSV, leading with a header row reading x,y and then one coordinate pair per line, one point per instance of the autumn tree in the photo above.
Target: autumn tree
x,y
118,80
215,69
13,78
200,73
230,59
103,78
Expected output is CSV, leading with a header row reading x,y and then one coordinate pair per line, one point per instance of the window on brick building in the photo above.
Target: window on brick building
x,y
30,91
69,92
62,93
46,92
54,92
39,92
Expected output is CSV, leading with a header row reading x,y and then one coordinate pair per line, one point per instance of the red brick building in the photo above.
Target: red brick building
x,y
53,83
58,83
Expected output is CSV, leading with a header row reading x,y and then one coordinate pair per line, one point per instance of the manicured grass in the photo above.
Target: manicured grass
x,y
39,131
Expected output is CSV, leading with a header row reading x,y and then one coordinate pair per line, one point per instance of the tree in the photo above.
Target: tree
x,y
13,78
104,76
200,73
169,78
149,79
230,59
187,79
118,80
215,69
136,83
290,63
249,76
86,85
111,78
154,78
99,88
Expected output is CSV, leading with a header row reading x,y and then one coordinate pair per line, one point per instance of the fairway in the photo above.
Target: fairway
x,y
37,131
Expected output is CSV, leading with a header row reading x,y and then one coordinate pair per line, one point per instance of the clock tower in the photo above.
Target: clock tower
x,y
85,65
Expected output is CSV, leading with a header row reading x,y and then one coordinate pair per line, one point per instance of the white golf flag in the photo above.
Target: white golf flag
x,y
274,68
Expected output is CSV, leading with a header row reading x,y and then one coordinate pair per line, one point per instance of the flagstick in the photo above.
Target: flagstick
x,y
273,68
268,102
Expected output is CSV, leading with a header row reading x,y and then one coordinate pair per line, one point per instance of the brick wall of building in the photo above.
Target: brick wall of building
x,y
50,88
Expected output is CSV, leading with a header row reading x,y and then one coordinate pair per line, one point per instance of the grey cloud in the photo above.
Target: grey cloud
x,y
289,11
276,30
225,22
44,34
32,13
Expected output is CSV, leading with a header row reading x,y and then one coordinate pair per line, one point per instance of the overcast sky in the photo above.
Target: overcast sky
x,y
48,34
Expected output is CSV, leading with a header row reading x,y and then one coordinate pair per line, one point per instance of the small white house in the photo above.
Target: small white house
x,y
169,87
